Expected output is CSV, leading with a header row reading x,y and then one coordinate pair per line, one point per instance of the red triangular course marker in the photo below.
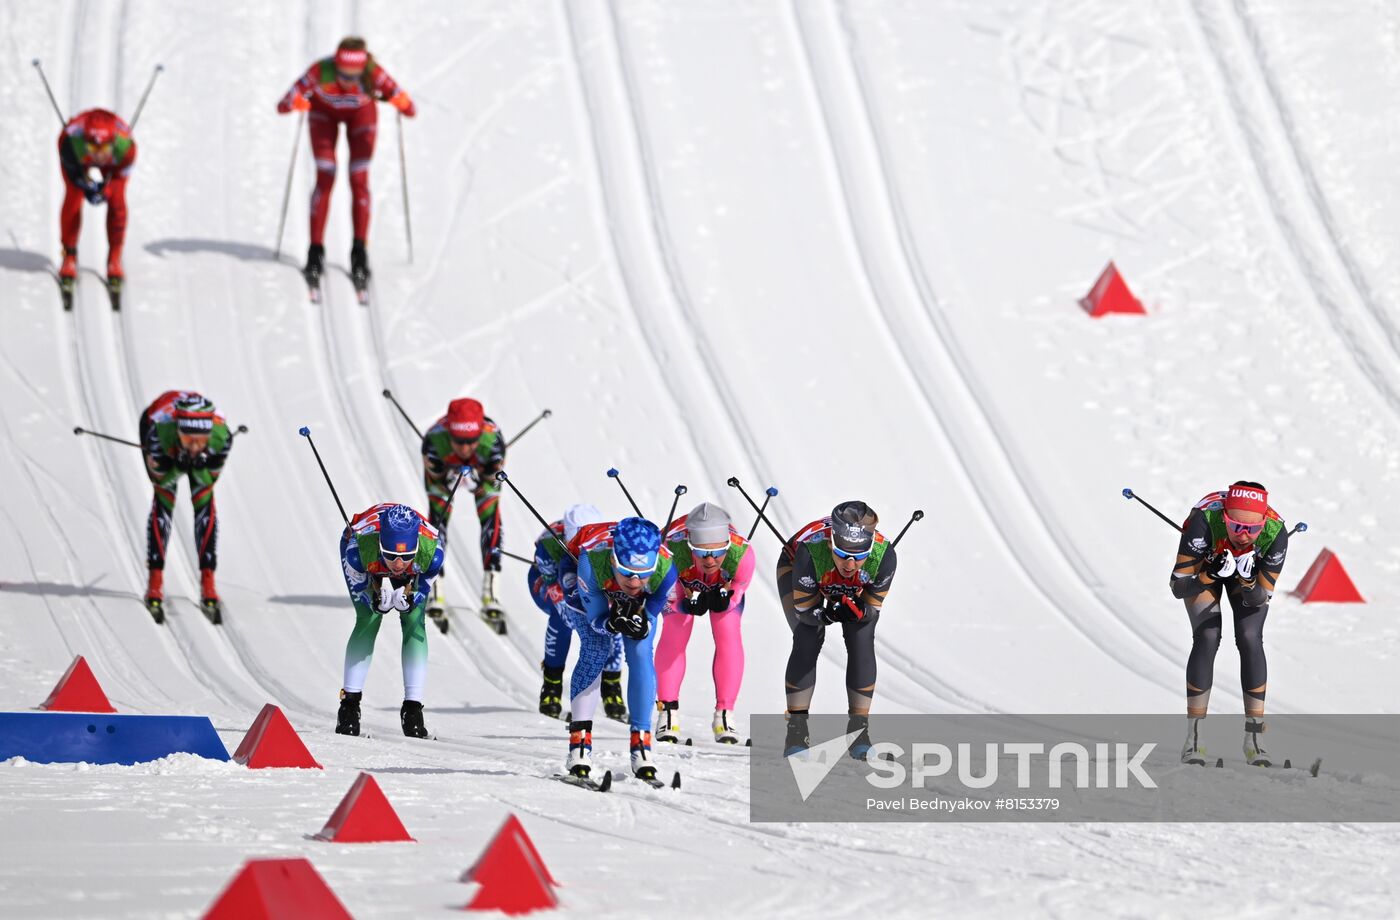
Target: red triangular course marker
x,y
1327,581
77,691
272,742
1110,294
484,866
364,816
277,889
512,876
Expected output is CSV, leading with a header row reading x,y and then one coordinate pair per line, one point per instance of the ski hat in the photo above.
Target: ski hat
x,y
351,54
101,128
465,419
1247,496
398,529
575,516
853,526
707,523
636,543
193,414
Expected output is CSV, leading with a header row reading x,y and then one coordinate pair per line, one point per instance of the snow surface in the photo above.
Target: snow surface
x,y
831,245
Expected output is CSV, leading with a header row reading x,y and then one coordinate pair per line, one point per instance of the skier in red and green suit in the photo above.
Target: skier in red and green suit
x,y
96,154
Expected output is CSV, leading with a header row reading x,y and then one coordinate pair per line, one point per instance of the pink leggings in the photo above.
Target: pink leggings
x,y
729,655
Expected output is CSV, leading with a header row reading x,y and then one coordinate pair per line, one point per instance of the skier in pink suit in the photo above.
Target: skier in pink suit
x,y
715,565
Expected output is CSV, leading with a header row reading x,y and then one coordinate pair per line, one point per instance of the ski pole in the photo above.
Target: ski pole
x,y
105,437
140,106
287,192
518,558
680,490
521,433
769,493
56,110
734,482
306,433
916,516
502,477
1129,493
390,396
612,474
403,175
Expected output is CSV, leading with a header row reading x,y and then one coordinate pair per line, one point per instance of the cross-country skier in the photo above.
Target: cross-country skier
x,y
182,435
553,581
834,571
343,89
465,442
97,154
714,565
1232,543
624,578
390,556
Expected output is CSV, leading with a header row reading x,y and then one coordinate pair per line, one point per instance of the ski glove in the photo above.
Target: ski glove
x,y
843,610
1221,564
200,460
1244,566
403,103
300,104
632,624
391,598
183,462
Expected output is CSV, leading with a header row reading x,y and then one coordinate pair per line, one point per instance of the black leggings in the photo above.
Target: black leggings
x,y
1206,624
801,676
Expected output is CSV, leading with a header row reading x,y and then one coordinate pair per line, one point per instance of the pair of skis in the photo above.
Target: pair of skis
x,y
212,609
1264,765
605,784
358,278
114,292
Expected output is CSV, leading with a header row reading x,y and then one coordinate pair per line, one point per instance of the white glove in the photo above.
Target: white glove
x,y
1221,565
1244,566
385,601
400,599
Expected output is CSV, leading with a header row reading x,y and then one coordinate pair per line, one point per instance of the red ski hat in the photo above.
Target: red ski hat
x,y
348,59
1246,497
465,419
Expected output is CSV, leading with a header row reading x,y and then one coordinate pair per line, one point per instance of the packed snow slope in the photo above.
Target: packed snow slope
x,y
828,245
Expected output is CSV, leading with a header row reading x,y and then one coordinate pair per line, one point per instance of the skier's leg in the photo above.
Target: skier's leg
x,y
1254,667
585,682
488,513
670,654
414,653
641,680
158,527
1204,612
729,655
116,224
206,525
324,130
860,664
800,679
70,220
361,130
359,651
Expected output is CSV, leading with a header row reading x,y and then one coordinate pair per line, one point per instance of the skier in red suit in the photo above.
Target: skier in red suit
x,y
343,89
96,153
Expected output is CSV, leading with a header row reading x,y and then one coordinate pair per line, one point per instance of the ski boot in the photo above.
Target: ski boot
x,y
614,707
552,692
209,598
115,278
1254,753
347,719
860,747
491,610
68,276
155,594
643,767
668,724
359,269
437,610
1192,752
724,732
580,761
315,266
411,717
797,741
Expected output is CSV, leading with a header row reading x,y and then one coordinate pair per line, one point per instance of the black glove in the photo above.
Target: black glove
x,y
200,460
183,462
840,610
718,598
696,603
632,623
93,191
1219,565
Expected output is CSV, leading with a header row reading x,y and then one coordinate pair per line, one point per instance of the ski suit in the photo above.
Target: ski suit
x,y
442,466
1202,535
553,581
335,102
166,462
75,157
364,572
807,579
598,590
694,595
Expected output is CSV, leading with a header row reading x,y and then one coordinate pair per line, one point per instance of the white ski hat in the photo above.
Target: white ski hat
x,y
575,516
707,523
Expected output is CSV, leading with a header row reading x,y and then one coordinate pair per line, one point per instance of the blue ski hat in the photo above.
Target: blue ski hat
x,y
636,543
398,530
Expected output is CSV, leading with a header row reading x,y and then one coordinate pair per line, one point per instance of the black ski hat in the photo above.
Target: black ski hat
x,y
853,526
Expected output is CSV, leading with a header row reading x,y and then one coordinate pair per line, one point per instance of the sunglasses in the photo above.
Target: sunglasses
x,y
1239,529
701,553
842,554
463,442
397,557
624,572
